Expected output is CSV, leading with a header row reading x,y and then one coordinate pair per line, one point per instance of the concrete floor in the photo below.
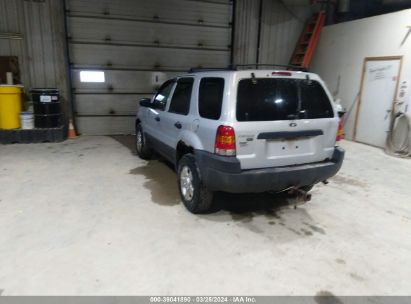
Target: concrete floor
x,y
88,217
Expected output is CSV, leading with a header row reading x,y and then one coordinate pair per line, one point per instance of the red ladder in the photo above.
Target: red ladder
x,y
308,41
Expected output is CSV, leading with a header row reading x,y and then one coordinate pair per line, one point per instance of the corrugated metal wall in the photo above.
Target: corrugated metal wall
x,y
11,24
246,31
139,44
281,25
41,49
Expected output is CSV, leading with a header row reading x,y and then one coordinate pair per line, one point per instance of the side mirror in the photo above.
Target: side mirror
x,y
145,102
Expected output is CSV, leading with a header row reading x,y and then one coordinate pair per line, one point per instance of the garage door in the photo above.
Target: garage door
x,y
121,51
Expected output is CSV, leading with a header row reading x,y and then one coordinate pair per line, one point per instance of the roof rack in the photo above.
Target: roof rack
x,y
236,67
196,70
257,65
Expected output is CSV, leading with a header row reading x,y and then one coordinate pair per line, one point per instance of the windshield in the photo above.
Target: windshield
x,y
267,99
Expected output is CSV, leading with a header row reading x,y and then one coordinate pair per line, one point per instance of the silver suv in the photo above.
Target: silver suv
x,y
242,131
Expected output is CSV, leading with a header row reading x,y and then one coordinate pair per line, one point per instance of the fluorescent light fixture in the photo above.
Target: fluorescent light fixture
x,y
92,76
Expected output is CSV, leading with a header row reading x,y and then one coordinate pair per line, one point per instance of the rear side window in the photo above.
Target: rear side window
x,y
180,102
210,97
270,99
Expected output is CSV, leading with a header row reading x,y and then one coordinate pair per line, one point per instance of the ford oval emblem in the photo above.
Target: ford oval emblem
x,y
293,124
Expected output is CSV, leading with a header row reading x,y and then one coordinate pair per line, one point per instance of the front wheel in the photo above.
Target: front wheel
x,y
195,196
143,150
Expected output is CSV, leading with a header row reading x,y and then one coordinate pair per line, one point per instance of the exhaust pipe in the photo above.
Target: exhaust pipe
x,y
300,195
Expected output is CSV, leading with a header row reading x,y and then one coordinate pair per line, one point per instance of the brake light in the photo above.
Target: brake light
x,y
281,73
225,141
340,130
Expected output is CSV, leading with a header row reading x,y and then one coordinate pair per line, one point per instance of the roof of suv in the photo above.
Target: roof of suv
x,y
273,72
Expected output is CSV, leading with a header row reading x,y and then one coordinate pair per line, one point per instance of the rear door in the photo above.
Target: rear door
x,y
283,121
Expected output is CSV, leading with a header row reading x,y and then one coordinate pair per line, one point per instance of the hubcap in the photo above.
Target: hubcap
x,y
139,140
186,183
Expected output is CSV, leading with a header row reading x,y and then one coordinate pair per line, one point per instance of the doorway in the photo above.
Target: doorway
x,y
379,86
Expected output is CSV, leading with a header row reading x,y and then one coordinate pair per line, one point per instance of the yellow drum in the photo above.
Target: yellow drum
x,y
10,107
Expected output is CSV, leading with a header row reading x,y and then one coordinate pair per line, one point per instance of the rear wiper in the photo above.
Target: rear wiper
x,y
253,79
292,116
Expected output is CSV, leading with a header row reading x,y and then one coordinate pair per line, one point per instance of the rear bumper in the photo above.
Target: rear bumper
x,y
225,174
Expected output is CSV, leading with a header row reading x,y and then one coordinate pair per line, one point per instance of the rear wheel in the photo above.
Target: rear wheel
x,y
143,150
195,196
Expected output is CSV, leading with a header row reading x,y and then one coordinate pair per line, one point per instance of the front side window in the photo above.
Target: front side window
x,y
180,102
268,99
210,97
160,99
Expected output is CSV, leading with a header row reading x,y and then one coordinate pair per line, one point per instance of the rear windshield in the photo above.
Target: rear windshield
x,y
265,99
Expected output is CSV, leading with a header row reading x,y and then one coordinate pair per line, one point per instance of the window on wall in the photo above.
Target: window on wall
x,y
180,102
210,97
92,76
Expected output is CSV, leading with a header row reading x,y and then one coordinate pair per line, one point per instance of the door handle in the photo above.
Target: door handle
x,y
178,125
157,118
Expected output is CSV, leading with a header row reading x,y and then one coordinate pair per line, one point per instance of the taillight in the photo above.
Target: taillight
x,y
340,130
225,141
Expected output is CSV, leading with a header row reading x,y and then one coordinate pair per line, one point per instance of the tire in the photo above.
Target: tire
x,y
199,199
143,150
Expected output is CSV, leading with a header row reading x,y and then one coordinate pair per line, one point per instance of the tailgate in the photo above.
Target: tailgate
x,y
285,143
283,122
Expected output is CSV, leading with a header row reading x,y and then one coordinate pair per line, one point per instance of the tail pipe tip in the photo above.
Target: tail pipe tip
x,y
300,194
